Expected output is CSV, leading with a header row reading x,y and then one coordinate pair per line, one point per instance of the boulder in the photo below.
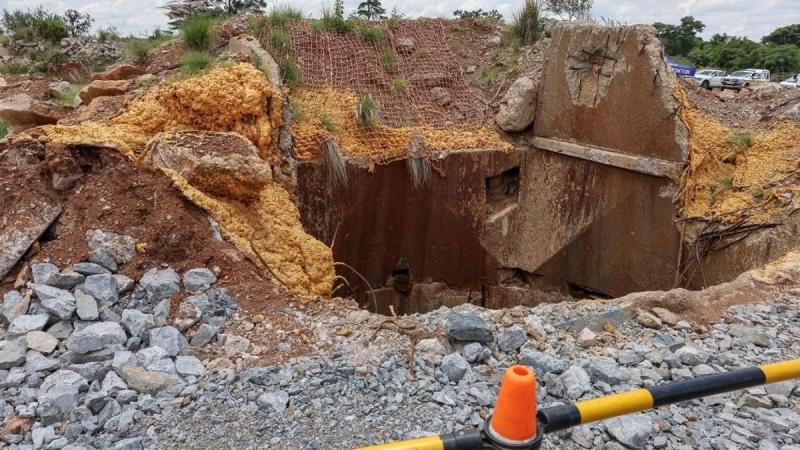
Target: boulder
x,y
224,164
12,353
122,71
41,341
26,323
41,272
103,88
23,111
61,389
169,339
454,367
468,327
103,288
86,306
250,47
160,284
96,336
277,400
14,305
137,323
204,334
65,280
37,362
189,365
89,268
512,339
518,107
198,280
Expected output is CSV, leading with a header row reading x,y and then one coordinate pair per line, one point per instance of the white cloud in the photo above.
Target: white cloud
x,y
751,18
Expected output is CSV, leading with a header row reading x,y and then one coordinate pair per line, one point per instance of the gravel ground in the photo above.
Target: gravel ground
x,y
341,401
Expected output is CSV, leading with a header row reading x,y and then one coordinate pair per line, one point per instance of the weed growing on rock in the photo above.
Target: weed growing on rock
x,y
196,31
527,24
196,62
389,60
291,73
366,112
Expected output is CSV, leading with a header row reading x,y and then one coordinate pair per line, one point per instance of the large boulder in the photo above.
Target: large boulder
x,y
23,111
518,107
122,71
224,164
103,88
250,47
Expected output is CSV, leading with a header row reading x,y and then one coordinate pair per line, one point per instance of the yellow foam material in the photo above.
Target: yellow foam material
x,y
380,142
269,233
760,174
232,98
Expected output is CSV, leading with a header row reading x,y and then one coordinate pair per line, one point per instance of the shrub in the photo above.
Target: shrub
x,y
291,73
38,23
196,32
279,40
527,23
68,97
371,34
139,49
15,69
389,60
195,62
3,129
399,84
366,112
333,22
107,34
280,15
298,114
258,24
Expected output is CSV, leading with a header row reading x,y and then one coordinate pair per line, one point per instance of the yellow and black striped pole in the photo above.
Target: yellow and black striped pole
x,y
562,417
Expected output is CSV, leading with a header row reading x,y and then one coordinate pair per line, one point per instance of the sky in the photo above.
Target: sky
x,y
751,18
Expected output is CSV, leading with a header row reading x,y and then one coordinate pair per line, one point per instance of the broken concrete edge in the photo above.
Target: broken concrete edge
x,y
16,240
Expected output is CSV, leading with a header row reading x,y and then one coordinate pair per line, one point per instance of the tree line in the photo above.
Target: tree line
x,y
779,51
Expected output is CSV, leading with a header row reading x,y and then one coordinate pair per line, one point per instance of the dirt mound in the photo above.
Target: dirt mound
x,y
748,174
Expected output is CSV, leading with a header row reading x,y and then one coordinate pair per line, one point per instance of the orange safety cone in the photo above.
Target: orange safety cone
x,y
514,418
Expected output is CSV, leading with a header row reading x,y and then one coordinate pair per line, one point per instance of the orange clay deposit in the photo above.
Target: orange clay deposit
x,y
381,143
237,98
729,181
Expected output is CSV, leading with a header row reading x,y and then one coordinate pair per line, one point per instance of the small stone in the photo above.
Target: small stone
x,y
124,359
15,305
168,338
512,339
691,356
37,362
648,320
760,339
96,336
204,334
92,371
26,323
121,247
468,327
103,257
12,354
145,381
137,323
88,269
61,389
542,363
67,280
475,352
234,345
604,371
587,338
666,316
284,347
42,436
632,431
86,306
190,311
576,382
454,367
103,288
160,284
149,356
189,365
58,302
161,312
124,283
277,400
754,401
112,383
41,341
198,280
61,330
41,272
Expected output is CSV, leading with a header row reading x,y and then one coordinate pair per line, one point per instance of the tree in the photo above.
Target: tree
x,y
234,7
680,39
371,9
35,24
478,14
338,9
569,9
77,23
178,10
784,35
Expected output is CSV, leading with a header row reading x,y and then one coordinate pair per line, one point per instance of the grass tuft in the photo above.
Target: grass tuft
x,y
280,15
389,60
291,73
297,111
741,140
196,62
329,123
3,129
279,40
367,112
399,84
527,23
419,167
196,31
373,35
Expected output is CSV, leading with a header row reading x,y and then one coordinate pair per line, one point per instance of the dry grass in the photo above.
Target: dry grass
x,y
334,162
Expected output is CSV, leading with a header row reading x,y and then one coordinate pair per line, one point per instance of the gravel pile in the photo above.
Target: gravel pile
x,y
91,359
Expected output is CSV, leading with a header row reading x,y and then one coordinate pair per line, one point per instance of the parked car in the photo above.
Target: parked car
x,y
792,82
710,78
744,78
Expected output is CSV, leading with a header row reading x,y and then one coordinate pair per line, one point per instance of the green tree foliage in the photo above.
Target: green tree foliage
x,y
478,14
680,39
77,23
569,9
788,35
371,10
35,24
234,7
